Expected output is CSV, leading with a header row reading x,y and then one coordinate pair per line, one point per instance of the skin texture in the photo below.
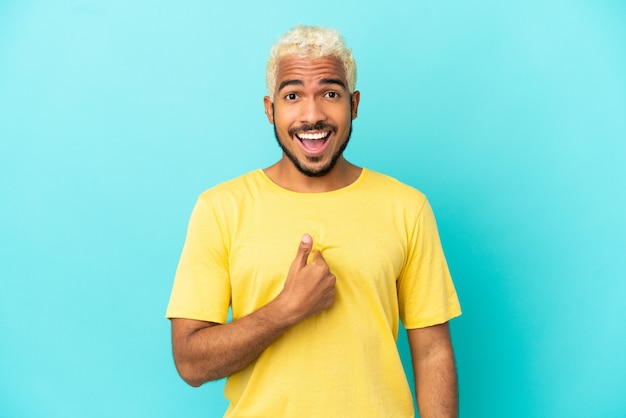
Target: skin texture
x,y
435,371
310,98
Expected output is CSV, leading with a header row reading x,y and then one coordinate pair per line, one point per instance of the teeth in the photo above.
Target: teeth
x,y
318,135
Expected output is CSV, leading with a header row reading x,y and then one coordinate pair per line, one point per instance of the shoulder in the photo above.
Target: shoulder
x,y
236,188
227,199
390,188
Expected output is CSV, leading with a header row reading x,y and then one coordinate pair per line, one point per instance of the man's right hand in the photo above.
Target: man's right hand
x,y
206,351
310,287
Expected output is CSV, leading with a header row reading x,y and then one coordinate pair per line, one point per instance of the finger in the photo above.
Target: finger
x,y
318,258
306,243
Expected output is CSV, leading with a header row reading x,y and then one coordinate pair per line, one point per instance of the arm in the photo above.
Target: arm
x,y
205,351
435,371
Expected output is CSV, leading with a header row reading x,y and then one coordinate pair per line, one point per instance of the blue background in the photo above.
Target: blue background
x,y
115,115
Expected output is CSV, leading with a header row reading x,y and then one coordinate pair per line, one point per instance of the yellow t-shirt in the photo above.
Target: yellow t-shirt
x,y
379,239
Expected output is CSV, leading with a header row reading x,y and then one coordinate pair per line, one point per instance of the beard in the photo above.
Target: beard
x,y
322,171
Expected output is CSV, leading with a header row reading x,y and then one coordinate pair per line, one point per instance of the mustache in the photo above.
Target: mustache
x,y
318,126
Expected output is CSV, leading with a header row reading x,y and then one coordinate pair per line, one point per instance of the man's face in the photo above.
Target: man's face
x,y
312,112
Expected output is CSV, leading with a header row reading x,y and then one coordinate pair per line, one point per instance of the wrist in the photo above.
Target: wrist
x,y
281,313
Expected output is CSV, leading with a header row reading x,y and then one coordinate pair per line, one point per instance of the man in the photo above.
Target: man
x,y
318,259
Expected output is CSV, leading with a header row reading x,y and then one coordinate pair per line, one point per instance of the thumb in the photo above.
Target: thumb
x,y
306,244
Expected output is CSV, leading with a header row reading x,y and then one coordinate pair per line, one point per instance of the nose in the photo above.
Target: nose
x,y
312,111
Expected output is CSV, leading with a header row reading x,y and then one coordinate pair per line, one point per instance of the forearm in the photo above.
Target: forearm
x,y
213,351
436,385
435,371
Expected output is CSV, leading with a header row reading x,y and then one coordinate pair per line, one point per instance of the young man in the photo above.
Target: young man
x,y
318,259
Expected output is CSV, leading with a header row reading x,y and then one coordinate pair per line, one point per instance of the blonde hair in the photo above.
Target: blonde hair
x,y
310,42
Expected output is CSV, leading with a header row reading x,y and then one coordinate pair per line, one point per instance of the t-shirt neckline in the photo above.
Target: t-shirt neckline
x,y
344,189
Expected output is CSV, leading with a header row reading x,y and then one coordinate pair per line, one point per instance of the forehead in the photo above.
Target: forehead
x,y
309,69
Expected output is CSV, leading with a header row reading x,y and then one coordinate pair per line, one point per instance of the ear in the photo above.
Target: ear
x,y
356,98
269,109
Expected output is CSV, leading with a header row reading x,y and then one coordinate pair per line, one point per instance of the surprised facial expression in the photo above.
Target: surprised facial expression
x,y
312,112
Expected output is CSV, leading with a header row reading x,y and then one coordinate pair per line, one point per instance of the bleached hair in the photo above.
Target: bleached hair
x,y
310,42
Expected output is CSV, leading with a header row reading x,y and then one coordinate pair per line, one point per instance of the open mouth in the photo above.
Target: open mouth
x,y
313,142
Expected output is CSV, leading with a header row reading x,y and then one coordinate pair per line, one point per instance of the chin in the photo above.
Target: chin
x,y
318,170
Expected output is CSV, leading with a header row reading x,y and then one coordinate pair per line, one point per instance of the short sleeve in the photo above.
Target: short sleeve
x,y
201,287
426,293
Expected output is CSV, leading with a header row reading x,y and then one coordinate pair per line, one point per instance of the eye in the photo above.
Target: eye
x,y
291,96
332,95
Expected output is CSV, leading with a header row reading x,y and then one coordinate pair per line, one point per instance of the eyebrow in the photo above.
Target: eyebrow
x,y
286,83
333,81
323,81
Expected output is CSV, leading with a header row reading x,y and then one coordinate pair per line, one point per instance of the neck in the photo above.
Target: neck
x,y
287,176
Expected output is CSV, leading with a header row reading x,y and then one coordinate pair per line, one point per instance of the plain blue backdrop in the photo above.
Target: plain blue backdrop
x,y
115,115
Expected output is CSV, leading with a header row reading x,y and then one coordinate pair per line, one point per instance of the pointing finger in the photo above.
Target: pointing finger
x,y
306,243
